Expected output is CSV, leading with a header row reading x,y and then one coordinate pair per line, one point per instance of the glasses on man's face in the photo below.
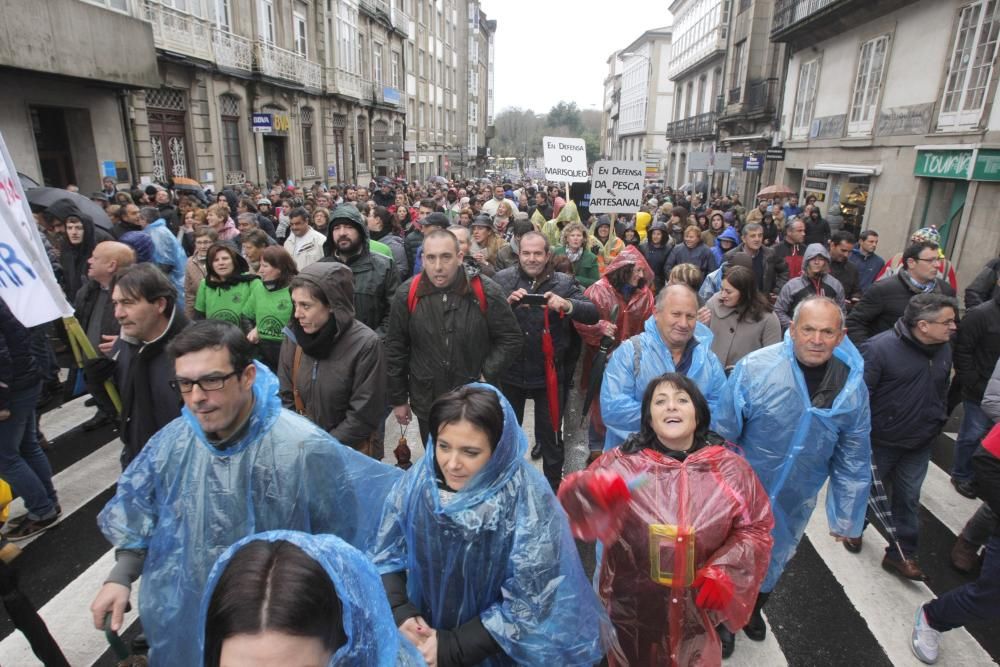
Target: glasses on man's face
x,y
926,259
947,323
207,383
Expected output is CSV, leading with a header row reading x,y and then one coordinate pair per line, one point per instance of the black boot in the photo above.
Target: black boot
x,y
756,629
727,638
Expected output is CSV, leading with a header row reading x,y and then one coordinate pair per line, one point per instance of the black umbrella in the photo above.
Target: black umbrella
x,y
45,197
27,181
597,368
878,502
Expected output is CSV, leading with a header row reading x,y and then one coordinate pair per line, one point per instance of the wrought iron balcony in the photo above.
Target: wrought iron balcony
x,y
232,52
762,96
400,20
694,127
735,94
805,22
179,32
277,63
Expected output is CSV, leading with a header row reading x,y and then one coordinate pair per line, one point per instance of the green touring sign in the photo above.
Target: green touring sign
x,y
976,164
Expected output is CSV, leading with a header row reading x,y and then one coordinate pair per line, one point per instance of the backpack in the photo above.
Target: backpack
x,y
477,288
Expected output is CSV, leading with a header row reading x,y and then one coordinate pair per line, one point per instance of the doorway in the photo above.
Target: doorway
x,y
274,159
52,141
943,208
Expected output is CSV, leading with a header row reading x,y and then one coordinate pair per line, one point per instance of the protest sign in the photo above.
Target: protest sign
x,y
617,186
565,159
27,283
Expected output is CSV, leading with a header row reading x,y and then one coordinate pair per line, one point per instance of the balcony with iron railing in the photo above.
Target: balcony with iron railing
x,y
277,63
400,20
232,52
806,22
757,99
178,31
694,127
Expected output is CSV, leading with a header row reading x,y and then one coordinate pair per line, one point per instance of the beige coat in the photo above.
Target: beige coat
x,y
193,275
735,339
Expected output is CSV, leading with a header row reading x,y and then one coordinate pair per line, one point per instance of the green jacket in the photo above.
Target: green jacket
x,y
269,310
585,268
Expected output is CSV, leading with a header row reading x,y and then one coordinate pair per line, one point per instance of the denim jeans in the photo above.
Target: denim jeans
x,y
975,425
902,472
976,602
981,526
23,464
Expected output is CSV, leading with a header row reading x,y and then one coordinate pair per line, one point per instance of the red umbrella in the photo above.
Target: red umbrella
x,y
551,379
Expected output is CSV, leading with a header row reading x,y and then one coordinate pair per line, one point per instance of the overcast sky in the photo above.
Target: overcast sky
x,y
551,50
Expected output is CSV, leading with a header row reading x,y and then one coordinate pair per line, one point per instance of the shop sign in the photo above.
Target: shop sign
x,y
281,123
390,95
987,166
753,162
944,164
775,154
262,122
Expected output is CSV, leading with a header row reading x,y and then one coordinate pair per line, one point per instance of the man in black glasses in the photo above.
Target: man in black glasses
x,y
235,463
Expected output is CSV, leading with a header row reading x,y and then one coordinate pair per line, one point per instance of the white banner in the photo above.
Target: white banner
x,y
27,283
617,186
565,160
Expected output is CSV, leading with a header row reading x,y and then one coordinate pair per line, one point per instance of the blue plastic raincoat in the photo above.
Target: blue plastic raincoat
x,y
794,447
621,391
184,502
168,251
372,637
501,549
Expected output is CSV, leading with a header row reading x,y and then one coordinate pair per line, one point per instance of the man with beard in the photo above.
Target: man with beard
x,y
375,276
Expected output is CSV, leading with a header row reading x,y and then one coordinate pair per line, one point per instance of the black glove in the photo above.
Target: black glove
x,y
97,371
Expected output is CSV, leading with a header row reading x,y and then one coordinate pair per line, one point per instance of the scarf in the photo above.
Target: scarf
x,y
317,345
574,255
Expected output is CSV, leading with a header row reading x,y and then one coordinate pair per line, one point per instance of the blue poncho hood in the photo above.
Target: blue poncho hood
x,y
372,636
794,447
500,549
184,501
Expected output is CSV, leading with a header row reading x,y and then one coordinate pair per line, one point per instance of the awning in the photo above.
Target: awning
x,y
866,169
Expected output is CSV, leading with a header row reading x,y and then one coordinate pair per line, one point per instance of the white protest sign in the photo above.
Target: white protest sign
x,y
617,186
27,283
565,160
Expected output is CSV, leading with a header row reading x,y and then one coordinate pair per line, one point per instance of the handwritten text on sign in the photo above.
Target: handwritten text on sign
x,y
565,159
617,186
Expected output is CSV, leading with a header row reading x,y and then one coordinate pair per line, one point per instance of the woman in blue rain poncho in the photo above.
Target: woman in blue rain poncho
x,y
285,597
476,554
187,497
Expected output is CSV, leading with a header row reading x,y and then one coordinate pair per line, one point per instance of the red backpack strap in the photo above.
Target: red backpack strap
x,y
477,287
411,298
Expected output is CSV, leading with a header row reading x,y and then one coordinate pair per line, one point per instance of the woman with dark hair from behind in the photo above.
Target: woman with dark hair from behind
x,y
269,305
284,598
742,318
383,227
689,545
476,558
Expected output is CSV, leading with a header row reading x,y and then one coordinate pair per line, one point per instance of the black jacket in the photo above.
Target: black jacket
x,y
848,276
447,341
412,241
977,348
817,231
83,307
528,369
984,287
142,375
375,280
908,387
18,368
775,269
986,465
883,304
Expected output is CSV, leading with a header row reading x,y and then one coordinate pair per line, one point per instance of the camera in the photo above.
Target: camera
x,y
533,300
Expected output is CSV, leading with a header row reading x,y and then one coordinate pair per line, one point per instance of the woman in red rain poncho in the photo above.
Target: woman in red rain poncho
x,y
687,548
625,284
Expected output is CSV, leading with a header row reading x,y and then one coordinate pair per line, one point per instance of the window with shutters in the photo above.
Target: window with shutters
x,y
970,66
805,99
306,122
868,85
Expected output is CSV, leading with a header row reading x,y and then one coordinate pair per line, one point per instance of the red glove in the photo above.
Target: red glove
x,y
595,502
715,588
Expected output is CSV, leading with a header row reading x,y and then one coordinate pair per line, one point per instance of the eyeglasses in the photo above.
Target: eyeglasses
x,y
209,383
946,323
926,259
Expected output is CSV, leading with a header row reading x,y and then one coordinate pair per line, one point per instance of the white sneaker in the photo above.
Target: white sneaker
x,y
924,640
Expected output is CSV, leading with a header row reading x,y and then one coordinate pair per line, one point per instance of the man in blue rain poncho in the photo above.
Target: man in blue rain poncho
x,y
234,463
799,409
292,596
673,342
476,554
